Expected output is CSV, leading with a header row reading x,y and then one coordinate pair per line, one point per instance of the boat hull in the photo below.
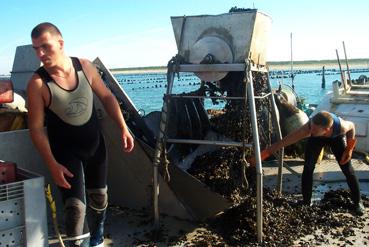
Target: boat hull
x,y
350,108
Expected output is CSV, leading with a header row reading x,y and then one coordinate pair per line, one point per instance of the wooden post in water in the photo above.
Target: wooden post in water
x,y
323,77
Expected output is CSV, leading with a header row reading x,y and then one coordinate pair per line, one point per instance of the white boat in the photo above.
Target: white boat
x,y
183,196
130,177
350,102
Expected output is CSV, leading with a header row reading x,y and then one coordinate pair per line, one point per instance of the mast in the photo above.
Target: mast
x,y
292,75
347,66
341,72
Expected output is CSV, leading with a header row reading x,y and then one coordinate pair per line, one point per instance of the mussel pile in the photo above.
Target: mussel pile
x,y
236,113
285,218
222,172
285,221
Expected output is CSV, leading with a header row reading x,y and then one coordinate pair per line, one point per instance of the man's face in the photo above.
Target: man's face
x,y
48,48
317,130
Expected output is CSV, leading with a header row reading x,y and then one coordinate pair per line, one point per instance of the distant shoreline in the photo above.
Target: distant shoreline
x,y
359,63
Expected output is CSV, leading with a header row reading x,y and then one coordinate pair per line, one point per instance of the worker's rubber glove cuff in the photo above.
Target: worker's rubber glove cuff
x,y
351,144
346,156
263,155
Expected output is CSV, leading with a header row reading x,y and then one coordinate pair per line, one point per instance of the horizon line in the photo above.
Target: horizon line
x,y
281,62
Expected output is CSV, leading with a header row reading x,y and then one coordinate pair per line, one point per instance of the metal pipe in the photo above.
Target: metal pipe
x,y
259,180
156,198
360,86
342,76
292,76
211,67
262,97
347,66
208,142
204,97
215,97
156,162
158,147
279,137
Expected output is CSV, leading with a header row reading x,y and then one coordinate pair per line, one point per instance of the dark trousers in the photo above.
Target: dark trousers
x,y
313,148
90,172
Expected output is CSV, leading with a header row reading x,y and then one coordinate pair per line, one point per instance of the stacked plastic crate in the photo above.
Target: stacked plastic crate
x,y
22,208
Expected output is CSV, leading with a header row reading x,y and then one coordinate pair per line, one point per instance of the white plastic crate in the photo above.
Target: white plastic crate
x,y
23,219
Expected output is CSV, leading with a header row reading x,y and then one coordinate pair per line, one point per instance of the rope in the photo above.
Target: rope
x,y
245,182
165,161
53,213
173,65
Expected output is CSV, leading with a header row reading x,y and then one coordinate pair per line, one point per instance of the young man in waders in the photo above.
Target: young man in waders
x,y
324,129
61,94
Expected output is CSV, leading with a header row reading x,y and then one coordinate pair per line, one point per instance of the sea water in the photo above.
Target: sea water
x,y
146,90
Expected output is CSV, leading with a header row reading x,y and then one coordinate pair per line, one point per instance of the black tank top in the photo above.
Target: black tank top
x,y
81,136
336,126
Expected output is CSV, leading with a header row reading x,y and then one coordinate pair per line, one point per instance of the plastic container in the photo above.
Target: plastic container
x,y
23,219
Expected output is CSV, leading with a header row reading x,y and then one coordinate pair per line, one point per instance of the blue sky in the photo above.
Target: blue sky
x,y
139,33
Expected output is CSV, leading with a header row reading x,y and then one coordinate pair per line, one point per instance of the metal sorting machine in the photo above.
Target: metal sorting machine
x,y
211,46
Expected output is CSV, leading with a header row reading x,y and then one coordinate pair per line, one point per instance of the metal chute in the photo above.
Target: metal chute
x,y
210,50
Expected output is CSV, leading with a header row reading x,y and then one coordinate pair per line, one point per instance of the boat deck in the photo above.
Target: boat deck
x,y
327,172
127,227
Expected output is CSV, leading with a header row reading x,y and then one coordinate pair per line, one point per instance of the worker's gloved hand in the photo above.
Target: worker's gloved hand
x,y
346,156
263,155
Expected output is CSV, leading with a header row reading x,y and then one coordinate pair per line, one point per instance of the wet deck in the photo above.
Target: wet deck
x,y
327,174
125,227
